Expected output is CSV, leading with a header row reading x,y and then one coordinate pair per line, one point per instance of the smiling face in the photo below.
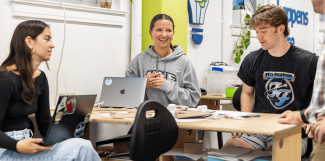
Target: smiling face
x,y
43,46
269,36
162,33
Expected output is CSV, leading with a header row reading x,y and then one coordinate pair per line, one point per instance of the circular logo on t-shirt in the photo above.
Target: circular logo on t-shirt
x,y
278,89
108,81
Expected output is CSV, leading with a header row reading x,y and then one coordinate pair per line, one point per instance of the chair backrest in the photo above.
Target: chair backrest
x,y
236,98
152,137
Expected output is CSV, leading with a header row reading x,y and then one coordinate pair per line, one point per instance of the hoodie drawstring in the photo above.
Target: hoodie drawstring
x,y
157,65
165,68
157,60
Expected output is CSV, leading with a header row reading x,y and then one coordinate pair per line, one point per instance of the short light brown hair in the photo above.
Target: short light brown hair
x,y
270,14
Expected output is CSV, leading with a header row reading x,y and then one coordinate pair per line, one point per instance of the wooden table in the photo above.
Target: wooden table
x,y
212,101
286,138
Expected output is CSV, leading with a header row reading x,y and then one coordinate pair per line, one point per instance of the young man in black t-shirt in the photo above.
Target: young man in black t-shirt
x,y
277,77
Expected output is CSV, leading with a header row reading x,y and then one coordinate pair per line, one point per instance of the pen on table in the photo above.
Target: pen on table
x,y
251,116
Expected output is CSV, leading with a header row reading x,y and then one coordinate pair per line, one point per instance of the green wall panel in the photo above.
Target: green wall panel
x,y
177,9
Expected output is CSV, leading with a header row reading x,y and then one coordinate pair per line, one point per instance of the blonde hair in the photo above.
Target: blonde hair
x,y
270,14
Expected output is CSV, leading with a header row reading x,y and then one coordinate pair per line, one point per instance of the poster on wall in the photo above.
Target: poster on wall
x,y
248,4
196,13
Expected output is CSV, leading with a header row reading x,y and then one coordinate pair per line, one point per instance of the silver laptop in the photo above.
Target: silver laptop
x,y
123,91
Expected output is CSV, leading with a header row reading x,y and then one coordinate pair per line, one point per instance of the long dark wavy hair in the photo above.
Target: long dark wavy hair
x,y
20,55
161,17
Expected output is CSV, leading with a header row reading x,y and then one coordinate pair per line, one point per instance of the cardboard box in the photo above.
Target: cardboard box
x,y
194,147
179,152
122,147
121,144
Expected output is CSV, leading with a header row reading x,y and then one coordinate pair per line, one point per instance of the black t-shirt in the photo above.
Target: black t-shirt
x,y
14,111
280,83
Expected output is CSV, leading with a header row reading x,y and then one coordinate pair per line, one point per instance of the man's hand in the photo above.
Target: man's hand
x,y
319,129
157,82
289,117
149,77
308,130
235,134
30,146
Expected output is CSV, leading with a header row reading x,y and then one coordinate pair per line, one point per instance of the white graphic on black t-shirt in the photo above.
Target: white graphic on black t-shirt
x,y
167,75
278,88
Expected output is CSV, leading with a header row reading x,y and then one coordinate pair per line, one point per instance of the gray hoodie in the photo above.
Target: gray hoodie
x,y
180,86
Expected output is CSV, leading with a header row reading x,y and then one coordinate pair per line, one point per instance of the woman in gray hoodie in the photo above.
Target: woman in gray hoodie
x,y
171,78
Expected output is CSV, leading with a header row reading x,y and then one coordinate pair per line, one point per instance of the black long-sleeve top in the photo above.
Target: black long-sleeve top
x,y
14,111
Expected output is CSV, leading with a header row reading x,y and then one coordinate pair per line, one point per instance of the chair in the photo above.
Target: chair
x,y
152,137
236,98
237,106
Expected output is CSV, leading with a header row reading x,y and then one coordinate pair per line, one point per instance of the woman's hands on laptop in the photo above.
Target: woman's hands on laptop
x,y
30,146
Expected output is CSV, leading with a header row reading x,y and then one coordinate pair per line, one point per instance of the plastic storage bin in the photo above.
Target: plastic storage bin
x,y
183,158
221,77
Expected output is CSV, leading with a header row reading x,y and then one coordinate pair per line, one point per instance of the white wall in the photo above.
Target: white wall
x,y
91,53
210,48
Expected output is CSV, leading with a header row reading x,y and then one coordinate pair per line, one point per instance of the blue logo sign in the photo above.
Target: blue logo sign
x,y
196,14
197,10
294,16
278,89
299,17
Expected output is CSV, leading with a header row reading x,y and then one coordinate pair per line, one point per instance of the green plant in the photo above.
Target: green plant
x,y
244,38
131,1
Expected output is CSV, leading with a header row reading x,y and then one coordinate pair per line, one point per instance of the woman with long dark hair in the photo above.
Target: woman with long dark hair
x,y
170,75
23,91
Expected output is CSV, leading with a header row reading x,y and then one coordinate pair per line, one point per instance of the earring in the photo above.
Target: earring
x,y
33,52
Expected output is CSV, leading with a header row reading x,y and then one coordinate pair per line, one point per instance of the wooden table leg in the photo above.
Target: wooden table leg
x,y
86,136
183,135
287,146
212,104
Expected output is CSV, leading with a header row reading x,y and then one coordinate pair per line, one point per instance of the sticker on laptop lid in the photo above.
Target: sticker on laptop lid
x,y
58,117
108,81
86,120
79,132
71,107
62,104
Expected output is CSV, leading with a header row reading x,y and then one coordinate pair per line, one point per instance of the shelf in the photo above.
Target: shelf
x,y
235,30
51,10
